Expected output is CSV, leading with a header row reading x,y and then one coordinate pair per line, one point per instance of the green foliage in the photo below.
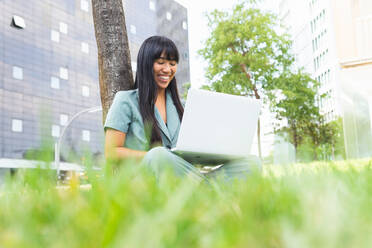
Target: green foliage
x,y
331,140
43,153
312,205
244,52
33,154
247,55
186,87
294,100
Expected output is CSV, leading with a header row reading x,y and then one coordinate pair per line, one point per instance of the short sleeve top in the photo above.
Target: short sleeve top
x,y
124,115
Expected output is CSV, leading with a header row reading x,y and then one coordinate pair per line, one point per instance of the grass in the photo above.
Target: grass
x,y
305,205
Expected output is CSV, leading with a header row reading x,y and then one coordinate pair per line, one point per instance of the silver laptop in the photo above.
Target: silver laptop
x,y
216,127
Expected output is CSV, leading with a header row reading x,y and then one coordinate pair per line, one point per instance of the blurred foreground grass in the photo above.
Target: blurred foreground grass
x,y
309,205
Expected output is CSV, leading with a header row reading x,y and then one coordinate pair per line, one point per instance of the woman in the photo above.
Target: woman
x,y
151,114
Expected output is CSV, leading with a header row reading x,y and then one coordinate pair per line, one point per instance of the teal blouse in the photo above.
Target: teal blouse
x,y
124,115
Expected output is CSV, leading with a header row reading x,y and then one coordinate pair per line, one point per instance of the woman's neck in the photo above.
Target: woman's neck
x,y
161,105
161,95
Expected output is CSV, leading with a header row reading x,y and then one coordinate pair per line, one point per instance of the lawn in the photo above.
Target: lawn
x,y
304,205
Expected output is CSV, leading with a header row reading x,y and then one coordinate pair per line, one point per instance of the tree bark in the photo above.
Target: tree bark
x,y
258,124
259,138
295,141
255,91
114,61
257,96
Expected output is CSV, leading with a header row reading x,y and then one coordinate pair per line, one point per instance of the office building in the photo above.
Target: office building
x,y
332,40
49,68
311,28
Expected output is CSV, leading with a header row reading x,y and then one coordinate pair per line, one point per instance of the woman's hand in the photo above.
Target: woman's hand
x,y
114,150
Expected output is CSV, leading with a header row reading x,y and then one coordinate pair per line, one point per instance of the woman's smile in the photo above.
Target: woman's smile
x,y
164,78
164,71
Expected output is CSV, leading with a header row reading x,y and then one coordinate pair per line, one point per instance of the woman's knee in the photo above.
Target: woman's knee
x,y
246,165
157,152
156,155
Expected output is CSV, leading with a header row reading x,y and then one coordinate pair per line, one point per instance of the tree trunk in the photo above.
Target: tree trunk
x,y
258,125
114,62
255,91
259,138
295,141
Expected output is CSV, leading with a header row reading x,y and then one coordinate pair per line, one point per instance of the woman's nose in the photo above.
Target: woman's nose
x,y
167,68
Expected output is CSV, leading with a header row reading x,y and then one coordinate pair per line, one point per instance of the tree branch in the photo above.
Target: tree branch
x,y
246,73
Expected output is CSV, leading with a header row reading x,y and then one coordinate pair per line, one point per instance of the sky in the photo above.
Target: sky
x,y
198,33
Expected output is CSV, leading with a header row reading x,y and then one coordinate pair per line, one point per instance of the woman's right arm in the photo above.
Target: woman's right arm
x,y
114,150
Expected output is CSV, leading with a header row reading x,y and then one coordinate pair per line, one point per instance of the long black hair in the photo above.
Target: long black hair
x,y
151,50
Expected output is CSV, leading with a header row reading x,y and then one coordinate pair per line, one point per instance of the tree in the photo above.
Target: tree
x,y
294,100
115,71
244,52
247,56
328,142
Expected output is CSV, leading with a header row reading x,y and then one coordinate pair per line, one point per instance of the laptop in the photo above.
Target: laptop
x,y
216,128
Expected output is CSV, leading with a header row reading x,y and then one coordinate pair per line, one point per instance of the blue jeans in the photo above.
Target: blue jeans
x,y
159,159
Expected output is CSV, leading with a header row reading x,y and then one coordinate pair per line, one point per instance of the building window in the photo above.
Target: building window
x,y
63,119
86,135
84,47
133,29
185,55
54,82
184,25
169,16
63,28
329,75
17,72
85,91
84,5
313,43
18,22
63,73
17,125
54,36
152,5
55,131
317,62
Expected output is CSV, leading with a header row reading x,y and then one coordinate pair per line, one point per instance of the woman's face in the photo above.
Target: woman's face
x,y
164,71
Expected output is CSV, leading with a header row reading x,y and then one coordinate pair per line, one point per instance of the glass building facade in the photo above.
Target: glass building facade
x,y
49,68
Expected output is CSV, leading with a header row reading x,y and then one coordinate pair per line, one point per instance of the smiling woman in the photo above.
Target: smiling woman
x,y
155,80
164,71
151,114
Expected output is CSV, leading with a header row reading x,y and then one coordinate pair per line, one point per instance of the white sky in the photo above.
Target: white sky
x,y
198,33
